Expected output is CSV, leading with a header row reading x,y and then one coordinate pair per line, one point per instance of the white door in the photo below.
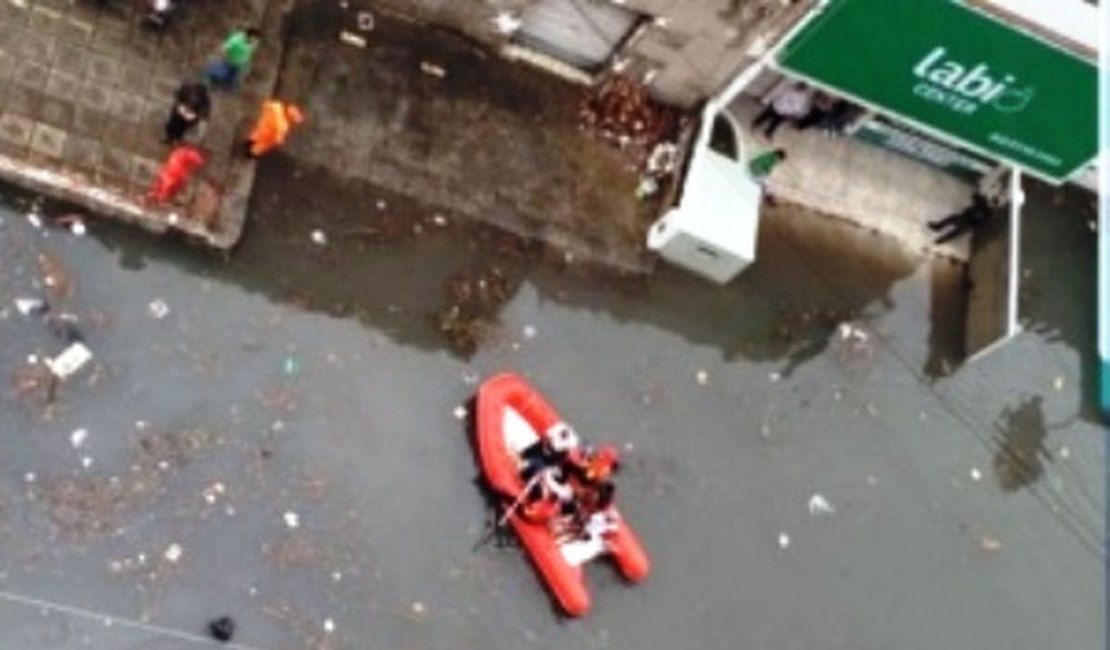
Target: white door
x,y
582,33
995,275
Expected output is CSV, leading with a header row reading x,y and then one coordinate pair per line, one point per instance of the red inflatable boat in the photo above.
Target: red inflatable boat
x,y
511,415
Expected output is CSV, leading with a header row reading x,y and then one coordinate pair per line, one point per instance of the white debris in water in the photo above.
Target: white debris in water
x,y
158,309
784,540
819,505
440,220
380,204
329,625
77,438
26,306
365,21
1064,452
291,519
30,477
318,237
702,378
336,576
989,544
32,359
34,219
173,552
140,425
418,607
460,412
1058,383
506,22
77,227
976,475
774,377
86,462
529,332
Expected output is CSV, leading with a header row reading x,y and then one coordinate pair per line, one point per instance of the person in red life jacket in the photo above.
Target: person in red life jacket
x,y
179,167
551,450
550,496
593,467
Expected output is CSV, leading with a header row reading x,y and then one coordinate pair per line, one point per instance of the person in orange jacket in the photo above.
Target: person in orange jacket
x,y
271,129
181,164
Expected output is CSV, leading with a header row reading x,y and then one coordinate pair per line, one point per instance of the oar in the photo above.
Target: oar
x,y
504,519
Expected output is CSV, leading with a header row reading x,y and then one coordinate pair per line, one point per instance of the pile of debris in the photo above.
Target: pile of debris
x,y
620,111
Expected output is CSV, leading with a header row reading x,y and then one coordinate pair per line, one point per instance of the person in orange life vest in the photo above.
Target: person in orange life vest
x,y
181,164
271,129
593,466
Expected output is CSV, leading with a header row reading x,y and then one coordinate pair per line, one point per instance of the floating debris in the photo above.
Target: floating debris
x,y
819,505
529,332
291,519
702,377
506,22
31,306
350,38
433,69
460,412
419,608
329,625
1058,383
77,438
222,629
318,237
784,540
976,475
365,21
173,553
158,309
989,544
70,360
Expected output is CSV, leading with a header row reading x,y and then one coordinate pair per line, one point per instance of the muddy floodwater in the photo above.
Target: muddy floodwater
x,y
277,437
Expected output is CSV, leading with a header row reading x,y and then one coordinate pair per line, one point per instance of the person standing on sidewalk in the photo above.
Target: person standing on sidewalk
x,y
182,163
761,166
274,123
793,103
235,57
191,107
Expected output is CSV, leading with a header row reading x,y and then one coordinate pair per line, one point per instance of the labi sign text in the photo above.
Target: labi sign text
x,y
966,87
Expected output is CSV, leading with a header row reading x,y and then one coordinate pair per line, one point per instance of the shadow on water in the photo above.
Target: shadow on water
x,y
1021,445
435,282
1059,259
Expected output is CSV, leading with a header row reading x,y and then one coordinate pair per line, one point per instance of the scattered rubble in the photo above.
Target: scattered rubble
x,y
173,553
819,505
72,359
158,309
784,540
291,519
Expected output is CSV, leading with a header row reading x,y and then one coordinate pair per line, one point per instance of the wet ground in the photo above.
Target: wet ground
x,y
281,442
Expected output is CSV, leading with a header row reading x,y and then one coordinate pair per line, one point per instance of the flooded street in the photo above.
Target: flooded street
x,y
276,437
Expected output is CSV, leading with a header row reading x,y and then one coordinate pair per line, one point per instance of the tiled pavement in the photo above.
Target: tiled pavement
x,y
85,90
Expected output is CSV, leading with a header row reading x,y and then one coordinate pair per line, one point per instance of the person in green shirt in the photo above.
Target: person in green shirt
x,y
761,166
235,57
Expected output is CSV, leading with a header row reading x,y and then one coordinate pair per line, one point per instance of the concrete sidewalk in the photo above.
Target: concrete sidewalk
x,y
85,90
865,184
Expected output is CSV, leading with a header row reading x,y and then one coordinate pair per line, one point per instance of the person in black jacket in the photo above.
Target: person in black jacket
x,y
191,107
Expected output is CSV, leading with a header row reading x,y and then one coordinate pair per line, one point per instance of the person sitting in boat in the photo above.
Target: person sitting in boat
x,y
549,495
594,467
592,541
552,450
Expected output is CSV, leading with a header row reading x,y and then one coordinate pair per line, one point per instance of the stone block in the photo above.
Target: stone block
x,y
30,73
75,30
7,65
21,99
115,162
47,140
45,20
135,77
128,107
87,121
104,69
143,170
15,129
63,86
35,45
82,152
117,132
71,59
56,113
96,96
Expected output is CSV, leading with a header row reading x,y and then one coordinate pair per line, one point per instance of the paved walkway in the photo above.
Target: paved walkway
x,y
870,186
85,91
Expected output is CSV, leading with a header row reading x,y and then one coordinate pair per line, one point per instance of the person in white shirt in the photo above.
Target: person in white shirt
x,y
793,103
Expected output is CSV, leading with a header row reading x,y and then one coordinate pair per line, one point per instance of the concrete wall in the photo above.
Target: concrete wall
x,y
691,48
